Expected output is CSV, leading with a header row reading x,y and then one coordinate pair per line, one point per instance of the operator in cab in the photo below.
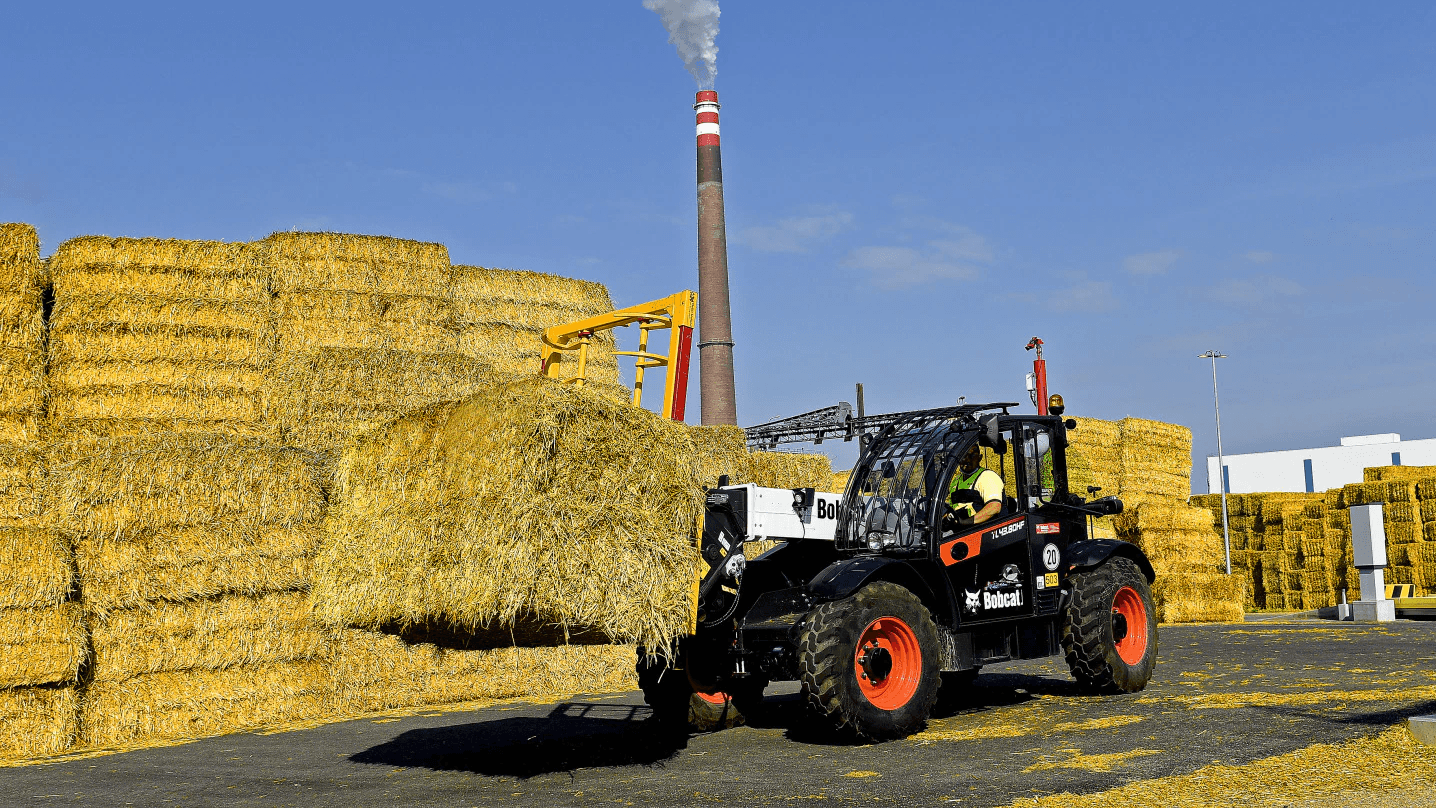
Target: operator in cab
x,y
975,494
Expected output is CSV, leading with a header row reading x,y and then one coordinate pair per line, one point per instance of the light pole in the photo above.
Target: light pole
x,y
1221,464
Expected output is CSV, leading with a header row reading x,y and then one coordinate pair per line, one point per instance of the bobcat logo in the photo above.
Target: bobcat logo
x,y
974,600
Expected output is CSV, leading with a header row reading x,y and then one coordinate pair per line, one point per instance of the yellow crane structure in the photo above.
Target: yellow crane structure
x,y
676,313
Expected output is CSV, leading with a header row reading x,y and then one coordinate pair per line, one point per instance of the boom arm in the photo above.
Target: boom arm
x,y
675,312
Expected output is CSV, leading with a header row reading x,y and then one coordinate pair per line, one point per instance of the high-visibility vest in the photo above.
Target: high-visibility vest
x,y
960,483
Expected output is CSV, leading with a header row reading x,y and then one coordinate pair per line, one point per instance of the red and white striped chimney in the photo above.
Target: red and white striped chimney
x,y
715,324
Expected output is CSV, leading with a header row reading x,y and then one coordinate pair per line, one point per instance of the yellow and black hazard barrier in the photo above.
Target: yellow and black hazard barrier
x,y
1394,591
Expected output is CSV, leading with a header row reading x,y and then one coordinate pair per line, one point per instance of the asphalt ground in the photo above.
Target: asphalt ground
x,y
1230,694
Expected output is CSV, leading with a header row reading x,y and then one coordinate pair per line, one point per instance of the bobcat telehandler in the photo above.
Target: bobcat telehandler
x,y
878,596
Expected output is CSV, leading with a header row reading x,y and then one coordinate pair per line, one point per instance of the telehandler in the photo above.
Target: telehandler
x,y
877,597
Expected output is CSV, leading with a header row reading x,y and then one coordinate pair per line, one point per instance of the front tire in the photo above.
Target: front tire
x,y
678,701
1110,629
869,663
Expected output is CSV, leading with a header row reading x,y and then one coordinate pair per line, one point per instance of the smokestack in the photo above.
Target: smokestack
x,y
715,325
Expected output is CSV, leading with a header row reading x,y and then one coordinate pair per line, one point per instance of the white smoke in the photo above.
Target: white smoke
x,y
692,28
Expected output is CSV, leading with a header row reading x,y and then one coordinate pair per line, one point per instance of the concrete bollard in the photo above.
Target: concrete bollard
x,y
1368,545
1423,728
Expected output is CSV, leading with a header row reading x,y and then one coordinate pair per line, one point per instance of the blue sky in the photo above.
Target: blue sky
x,y
913,189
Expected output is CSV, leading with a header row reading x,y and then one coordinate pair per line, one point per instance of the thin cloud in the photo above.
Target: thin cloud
x,y
959,256
900,267
1152,263
1256,291
1086,296
796,235
1260,256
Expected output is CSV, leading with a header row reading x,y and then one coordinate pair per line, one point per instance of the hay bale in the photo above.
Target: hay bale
x,y
195,704
22,333
1181,550
119,487
838,482
790,470
22,484
535,505
37,721
312,319
1196,597
194,563
1094,456
503,313
342,262
525,288
1155,516
721,450
37,568
1378,474
323,398
215,634
379,672
151,330
41,646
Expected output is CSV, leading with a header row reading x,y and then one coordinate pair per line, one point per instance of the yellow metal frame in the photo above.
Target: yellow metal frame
x,y
675,312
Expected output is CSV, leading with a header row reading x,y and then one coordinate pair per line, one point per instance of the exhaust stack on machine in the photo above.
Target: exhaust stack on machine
x,y
715,325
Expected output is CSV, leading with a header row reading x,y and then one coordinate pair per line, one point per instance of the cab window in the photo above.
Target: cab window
x,y
1039,477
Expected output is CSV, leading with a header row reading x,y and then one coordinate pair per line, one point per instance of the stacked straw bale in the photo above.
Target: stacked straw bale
x,y
152,334
791,470
503,313
1094,459
368,329
1293,548
535,512
1409,514
194,554
1148,465
43,641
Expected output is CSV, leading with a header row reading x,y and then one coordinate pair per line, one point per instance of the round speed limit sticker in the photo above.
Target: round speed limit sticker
x,y
1051,556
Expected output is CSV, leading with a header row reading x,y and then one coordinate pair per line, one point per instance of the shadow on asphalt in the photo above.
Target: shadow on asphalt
x,y
576,736
571,736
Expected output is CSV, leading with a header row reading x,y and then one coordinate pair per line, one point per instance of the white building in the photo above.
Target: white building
x,y
1318,469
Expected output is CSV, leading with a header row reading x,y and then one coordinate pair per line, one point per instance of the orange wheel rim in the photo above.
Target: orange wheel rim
x,y
888,663
1128,605
715,697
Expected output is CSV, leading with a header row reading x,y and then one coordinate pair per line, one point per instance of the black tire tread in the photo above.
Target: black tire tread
x,y
823,646
1086,634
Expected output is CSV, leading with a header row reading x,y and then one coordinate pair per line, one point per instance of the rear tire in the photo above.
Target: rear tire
x,y
1110,628
869,663
678,701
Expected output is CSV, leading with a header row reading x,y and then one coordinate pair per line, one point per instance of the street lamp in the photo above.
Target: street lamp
x,y
1221,464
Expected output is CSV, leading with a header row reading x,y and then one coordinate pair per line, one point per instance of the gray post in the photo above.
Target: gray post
x,y
1368,550
1221,463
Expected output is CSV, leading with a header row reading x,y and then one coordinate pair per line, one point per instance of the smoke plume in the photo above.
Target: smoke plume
x,y
692,28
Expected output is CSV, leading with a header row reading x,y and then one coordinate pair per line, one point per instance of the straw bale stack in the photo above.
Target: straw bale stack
x,y
379,672
37,721
43,641
838,482
721,450
159,333
1148,465
1156,459
193,704
790,470
367,329
194,554
534,511
1299,547
503,313
1377,474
